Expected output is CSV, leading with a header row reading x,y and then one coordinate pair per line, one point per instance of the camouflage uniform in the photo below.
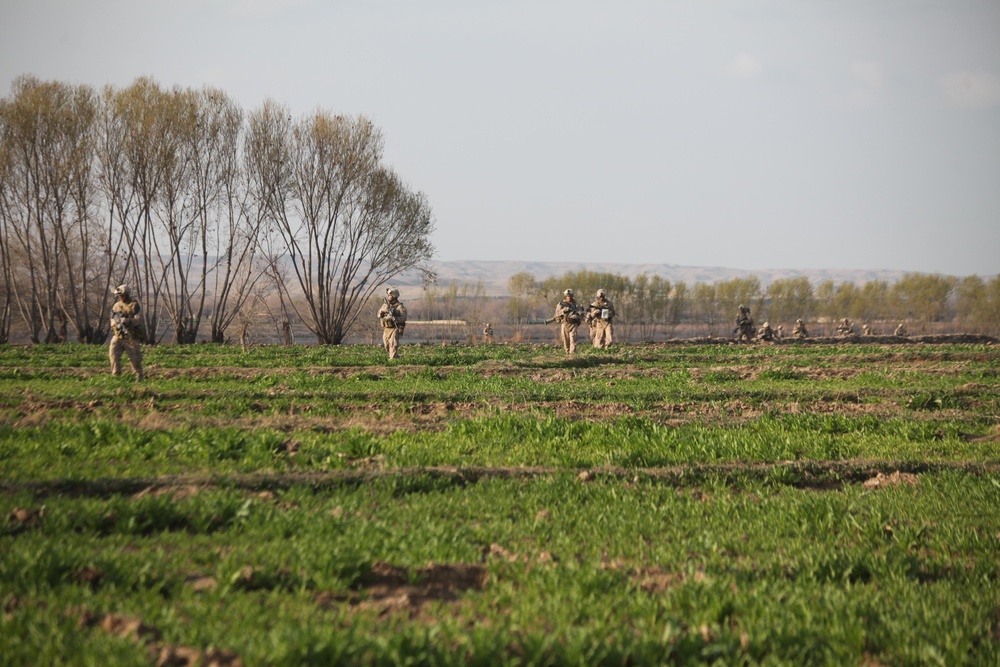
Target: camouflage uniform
x,y
488,331
765,332
845,328
744,324
391,309
866,330
127,333
568,314
599,316
900,330
799,330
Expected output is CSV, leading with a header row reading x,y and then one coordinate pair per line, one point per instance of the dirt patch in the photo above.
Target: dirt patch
x,y
136,630
896,478
802,474
653,580
992,436
389,589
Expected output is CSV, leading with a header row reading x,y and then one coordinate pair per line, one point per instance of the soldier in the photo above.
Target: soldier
x,y
799,330
392,316
900,330
744,324
866,330
599,316
845,328
779,333
488,332
765,332
568,314
127,332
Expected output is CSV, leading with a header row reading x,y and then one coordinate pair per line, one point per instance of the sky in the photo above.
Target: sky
x,y
843,134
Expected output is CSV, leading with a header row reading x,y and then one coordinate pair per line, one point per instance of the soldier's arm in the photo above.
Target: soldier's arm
x,y
400,314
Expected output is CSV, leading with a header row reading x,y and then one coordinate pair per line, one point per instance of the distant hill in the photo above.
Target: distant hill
x,y
495,274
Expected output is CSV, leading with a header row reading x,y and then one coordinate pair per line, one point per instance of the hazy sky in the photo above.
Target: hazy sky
x,y
749,134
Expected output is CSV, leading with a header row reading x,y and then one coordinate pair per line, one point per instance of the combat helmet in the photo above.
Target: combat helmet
x,y
121,289
568,292
601,293
392,291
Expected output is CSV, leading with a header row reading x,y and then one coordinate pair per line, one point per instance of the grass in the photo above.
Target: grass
x,y
501,505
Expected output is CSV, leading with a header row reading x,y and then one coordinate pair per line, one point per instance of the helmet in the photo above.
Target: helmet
x,y
121,289
568,292
392,291
742,307
766,325
600,292
798,321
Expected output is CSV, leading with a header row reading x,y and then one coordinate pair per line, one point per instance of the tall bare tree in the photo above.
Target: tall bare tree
x,y
522,287
347,224
47,137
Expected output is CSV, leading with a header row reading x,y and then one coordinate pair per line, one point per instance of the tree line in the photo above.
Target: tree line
x,y
208,212
219,219
651,306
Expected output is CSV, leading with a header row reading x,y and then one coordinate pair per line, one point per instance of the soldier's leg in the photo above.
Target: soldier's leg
x,y
607,335
601,339
564,336
386,333
572,338
115,354
134,351
393,343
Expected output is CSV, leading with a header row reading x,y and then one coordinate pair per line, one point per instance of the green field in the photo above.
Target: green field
x,y
660,504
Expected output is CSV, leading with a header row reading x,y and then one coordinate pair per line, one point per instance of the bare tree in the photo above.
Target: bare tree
x,y
47,138
678,305
521,286
6,273
148,145
237,271
346,223
789,299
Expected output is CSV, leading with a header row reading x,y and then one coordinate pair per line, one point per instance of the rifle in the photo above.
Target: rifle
x,y
567,310
594,312
391,317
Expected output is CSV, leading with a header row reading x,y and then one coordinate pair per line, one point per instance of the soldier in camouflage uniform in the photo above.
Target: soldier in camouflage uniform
x,y
599,316
392,316
765,332
845,328
900,330
799,330
744,324
127,332
568,314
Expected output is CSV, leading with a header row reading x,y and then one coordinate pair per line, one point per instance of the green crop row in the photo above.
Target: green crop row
x,y
418,570
102,448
